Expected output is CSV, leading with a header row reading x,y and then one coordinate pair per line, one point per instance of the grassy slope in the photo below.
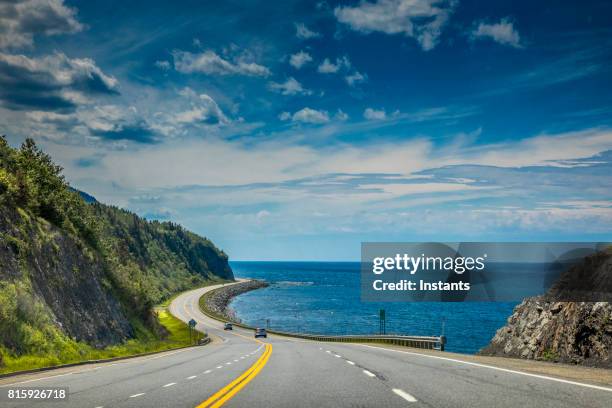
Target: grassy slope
x,y
72,352
145,264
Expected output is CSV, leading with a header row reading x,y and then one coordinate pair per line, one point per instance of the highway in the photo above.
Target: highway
x,y
238,371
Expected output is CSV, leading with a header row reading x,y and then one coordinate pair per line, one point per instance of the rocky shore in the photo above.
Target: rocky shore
x,y
219,300
542,328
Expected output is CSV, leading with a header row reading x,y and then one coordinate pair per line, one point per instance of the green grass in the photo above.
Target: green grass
x,y
71,351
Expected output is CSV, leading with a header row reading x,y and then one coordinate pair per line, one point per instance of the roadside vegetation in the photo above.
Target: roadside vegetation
x,y
68,351
79,280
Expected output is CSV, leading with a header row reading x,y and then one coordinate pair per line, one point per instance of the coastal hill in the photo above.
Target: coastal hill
x,y
544,328
74,271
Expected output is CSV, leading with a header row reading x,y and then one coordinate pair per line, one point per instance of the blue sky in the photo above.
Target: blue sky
x,y
297,130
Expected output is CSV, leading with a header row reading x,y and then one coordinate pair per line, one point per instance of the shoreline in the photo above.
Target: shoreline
x,y
219,301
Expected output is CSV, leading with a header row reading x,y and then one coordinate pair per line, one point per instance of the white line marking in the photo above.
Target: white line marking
x,y
506,370
169,385
369,374
192,377
219,366
404,395
36,379
337,355
207,372
235,361
242,358
127,361
228,363
327,351
350,362
137,395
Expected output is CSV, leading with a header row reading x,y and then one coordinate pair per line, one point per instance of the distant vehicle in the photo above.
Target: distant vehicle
x,y
260,333
228,326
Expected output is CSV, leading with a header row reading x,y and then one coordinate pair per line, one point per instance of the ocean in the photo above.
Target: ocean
x,y
324,298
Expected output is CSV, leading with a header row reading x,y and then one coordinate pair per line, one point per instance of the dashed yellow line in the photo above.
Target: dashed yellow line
x,y
226,393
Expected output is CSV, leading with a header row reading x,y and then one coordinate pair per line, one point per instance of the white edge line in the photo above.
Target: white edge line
x,y
191,377
137,395
207,372
127,361
404,395
36,379
350,362
169,385
506,370
368,373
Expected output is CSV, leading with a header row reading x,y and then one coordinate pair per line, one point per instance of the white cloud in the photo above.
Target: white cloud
x,y
420,19
261,215
115,123
355,78
163,65
21,21
328,67
304,33
374,114
340,115
210,63
502,33
290,87
298,60
284,116
204,110
52,82
308,115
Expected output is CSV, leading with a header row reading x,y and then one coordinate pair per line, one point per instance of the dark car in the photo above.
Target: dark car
x,y
260,333
228,326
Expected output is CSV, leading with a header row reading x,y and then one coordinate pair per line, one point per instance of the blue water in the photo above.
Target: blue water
x,y
324,298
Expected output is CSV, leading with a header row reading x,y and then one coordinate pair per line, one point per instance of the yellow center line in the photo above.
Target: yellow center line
x,y
224,394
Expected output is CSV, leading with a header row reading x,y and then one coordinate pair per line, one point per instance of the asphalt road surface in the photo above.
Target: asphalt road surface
x,y
238,371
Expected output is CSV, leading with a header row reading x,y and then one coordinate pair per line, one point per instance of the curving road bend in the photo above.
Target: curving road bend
x,y
237,371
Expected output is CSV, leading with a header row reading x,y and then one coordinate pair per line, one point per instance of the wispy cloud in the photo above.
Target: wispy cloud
x,y
304,33
299,59
503,32
291,86
210,63
420,19
328,67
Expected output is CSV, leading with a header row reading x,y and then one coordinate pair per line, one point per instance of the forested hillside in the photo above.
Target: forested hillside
x,y
74,273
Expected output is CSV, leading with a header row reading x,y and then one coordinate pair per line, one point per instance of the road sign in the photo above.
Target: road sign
x,y
192,323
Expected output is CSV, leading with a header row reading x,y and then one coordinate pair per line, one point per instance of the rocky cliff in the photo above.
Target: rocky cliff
x,y
544,328
77,271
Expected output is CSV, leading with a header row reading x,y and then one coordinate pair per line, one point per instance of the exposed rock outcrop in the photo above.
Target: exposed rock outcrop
x,y
541,328
75,270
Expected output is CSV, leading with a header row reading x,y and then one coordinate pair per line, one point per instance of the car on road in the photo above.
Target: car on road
x,y
228,326
260,333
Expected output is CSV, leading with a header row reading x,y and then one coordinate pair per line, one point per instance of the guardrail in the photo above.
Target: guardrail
x,y
423,342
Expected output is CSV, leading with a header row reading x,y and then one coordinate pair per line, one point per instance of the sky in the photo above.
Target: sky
x,y
296,130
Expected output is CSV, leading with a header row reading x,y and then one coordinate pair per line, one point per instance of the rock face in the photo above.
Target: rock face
x,y
541,328
66,279
75,271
